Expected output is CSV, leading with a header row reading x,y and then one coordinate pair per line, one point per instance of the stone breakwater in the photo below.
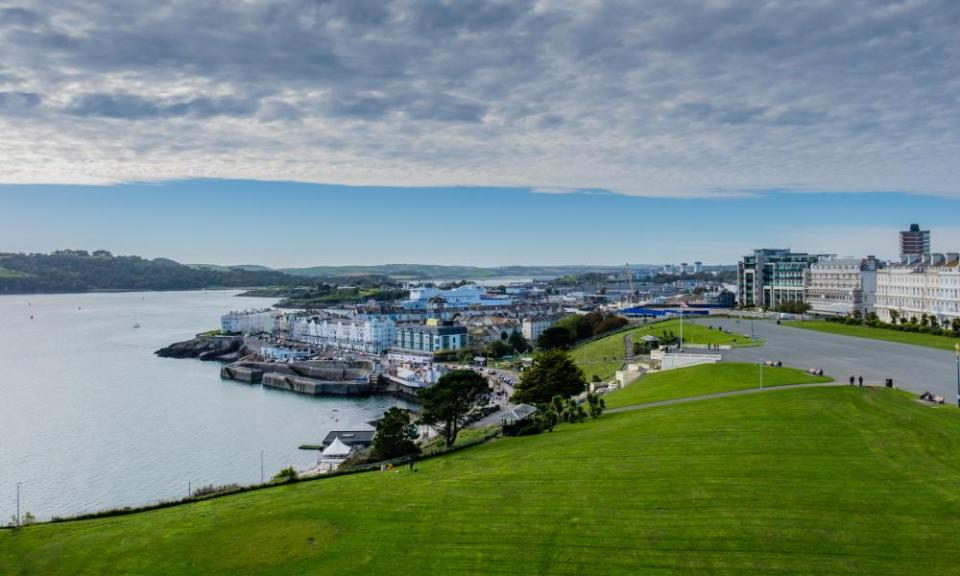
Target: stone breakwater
x,y
220,348
311,377
308,377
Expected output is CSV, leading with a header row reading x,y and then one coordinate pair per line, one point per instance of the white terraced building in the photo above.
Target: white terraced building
x,y
250,321
373,334
533,327
841,286
930,285
465,296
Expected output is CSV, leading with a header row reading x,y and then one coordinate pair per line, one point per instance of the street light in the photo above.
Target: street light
x,y
957,348
261,466
18,503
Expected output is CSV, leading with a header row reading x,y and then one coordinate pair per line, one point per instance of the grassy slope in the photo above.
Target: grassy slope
x,y
603,357
5,273
705,379
815,481
928,340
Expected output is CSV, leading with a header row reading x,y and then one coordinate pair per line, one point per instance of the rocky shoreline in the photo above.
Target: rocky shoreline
x,y
203,347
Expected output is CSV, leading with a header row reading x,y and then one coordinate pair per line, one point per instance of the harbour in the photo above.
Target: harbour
x,y
94,420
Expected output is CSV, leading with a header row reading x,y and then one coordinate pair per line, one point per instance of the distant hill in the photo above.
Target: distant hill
x,y
80,271
436,271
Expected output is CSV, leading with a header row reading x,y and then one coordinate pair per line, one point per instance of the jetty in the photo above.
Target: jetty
x,y
309,377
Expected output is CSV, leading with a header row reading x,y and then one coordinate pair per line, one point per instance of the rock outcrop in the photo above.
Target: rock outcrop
x,y
222,348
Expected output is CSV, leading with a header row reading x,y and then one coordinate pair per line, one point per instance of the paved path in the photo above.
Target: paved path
x,y
719,395
914,368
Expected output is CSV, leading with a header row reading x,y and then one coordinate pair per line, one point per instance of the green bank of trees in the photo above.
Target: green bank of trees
x,y
571,329
80,271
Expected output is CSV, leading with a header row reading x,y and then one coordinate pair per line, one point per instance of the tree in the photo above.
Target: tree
x,y
597,405
573,412
518,342
609,323
547,418
554,337
553,373
452,401
395,435
894,314
498,348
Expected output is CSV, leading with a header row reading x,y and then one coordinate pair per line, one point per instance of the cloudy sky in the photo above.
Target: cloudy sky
x,y
694,99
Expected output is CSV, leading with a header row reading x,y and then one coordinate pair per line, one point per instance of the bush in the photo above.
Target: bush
x,y
288,474
213,490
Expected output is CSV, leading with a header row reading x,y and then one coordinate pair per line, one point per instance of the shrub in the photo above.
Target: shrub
x,y
212,490
288,474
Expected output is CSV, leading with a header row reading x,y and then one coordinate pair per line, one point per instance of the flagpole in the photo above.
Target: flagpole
x,y
681,325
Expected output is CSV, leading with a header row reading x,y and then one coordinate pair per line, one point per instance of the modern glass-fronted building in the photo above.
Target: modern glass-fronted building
x,y
772,276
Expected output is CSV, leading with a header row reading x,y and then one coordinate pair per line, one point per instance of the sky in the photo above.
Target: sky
x,y
287,224
536,108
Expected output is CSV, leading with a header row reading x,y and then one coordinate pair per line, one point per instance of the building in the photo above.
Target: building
x,y
697,267
911,289
533,327
466,296
771,277
370,334
841,286
914,244
720,299
427,339
352,438
250,321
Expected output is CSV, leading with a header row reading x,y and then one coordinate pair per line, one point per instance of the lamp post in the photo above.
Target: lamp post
x,y
261,466
957,348
762,362
18,503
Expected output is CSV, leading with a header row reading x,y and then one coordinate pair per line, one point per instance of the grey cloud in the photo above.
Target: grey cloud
x,y
14,103
20,17
638,96
133,107
440,107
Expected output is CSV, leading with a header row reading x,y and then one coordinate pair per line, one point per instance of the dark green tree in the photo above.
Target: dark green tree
x,y
518,342
452,401
554,337
597,405
499,349
395,435
553,373
547,418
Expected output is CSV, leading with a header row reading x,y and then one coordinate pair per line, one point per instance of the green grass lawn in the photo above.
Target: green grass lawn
x,y
705,379
604,357
813,481
4,273
928,340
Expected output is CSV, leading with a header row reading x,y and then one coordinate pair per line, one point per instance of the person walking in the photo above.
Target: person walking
x,y
861,381
851,380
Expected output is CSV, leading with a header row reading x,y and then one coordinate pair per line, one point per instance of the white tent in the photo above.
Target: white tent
x,y
337,449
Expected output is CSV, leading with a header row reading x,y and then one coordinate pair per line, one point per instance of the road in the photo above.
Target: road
x,y
508,390
914,368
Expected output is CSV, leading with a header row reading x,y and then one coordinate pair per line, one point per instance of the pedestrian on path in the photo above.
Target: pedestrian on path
x,y
851,380
861,381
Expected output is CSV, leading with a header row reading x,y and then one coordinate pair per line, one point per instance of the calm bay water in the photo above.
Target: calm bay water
x,y
91,419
